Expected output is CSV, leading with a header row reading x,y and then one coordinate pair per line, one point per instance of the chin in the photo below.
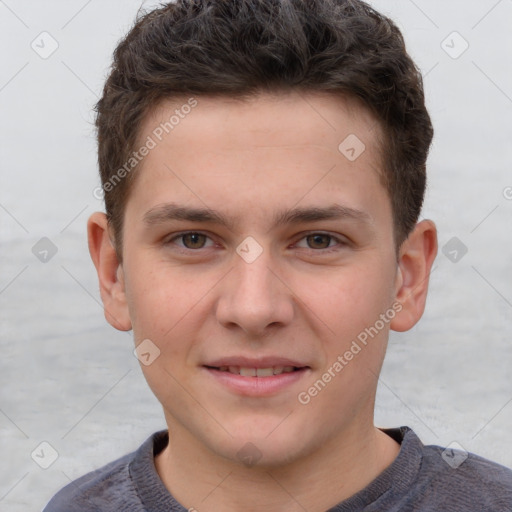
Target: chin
x,y
271,443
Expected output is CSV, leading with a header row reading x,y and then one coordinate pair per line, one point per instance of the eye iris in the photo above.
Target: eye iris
x,y
322,240
194,240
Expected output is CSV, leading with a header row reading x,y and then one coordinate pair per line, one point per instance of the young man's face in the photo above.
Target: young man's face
x,y
289,257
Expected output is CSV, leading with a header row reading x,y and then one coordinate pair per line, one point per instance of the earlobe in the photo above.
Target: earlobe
x,y
110,272
417,255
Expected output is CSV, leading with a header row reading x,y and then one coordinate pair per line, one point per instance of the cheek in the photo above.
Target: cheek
x,y
168,306
349,299
354,346
156,294
165,308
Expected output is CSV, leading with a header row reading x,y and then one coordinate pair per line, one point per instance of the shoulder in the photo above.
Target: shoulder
x,y
468,479
108,488
97,488
431,478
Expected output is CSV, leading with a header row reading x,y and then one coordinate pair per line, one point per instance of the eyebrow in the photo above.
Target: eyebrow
x,y
172,211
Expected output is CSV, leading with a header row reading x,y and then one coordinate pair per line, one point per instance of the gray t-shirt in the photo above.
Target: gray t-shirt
x,y
420,479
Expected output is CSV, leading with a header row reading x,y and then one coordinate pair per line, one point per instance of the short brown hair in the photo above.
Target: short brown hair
x,y
239,48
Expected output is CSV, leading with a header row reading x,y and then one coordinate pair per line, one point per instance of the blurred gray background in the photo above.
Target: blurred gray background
x,y
71,381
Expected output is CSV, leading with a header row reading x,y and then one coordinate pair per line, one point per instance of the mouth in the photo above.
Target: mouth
x,y
257,378
246,371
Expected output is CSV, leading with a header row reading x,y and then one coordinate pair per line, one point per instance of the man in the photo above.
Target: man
x,y
263,164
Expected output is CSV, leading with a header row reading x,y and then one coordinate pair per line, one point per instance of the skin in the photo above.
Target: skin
x,y
304,297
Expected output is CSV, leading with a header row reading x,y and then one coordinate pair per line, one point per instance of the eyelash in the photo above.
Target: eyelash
x,y
340,242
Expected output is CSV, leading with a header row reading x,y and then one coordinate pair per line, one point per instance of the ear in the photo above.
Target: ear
x,y
416,257
110,272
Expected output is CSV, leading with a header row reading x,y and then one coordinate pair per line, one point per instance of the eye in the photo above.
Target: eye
x,y
191,240
319,241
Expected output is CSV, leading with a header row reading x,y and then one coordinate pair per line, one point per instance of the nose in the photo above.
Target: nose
x,y
255,298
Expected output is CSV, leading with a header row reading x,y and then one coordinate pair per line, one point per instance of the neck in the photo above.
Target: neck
x,y
339,468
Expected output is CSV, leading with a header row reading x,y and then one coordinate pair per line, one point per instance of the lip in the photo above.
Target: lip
x,y
261,362
256,386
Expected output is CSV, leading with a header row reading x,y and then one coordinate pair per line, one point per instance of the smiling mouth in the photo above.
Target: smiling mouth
x,y
257,372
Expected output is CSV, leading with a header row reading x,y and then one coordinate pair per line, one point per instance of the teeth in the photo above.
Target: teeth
x,y
248,372
264,372
257,372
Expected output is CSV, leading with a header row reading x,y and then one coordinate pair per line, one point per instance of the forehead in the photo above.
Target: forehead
x,y
285,147
296,118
